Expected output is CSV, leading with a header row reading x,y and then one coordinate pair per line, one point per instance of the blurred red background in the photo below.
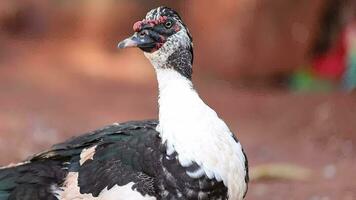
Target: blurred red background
x,y
61,75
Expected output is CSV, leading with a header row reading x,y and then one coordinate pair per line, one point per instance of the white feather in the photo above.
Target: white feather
x,y
87,154
196,174
71,191
196,133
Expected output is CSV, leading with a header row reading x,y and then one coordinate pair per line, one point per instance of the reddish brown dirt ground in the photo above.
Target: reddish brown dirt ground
x,y
42,105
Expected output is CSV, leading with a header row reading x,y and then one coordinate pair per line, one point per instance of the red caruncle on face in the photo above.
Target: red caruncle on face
x,y
137,27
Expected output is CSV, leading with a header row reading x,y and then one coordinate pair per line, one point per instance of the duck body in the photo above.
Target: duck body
x,y
126,161
188,153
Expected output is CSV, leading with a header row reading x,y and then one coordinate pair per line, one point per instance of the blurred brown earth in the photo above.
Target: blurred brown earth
x,y
61,75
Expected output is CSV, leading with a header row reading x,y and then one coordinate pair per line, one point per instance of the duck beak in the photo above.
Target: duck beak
x,y
136,41
129,42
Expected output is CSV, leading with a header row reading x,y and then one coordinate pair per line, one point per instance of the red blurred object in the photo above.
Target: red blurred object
x,y
331,65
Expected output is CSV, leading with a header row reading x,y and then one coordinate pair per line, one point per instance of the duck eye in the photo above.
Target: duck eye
x,y
168,24
142,33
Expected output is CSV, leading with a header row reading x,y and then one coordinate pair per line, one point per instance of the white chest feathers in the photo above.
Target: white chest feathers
x,y
193,130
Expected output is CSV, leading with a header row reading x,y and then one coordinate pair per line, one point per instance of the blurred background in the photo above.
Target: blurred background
x,y
281,73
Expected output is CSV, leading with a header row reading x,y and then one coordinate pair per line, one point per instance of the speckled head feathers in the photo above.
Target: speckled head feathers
x,y
156,13
165,40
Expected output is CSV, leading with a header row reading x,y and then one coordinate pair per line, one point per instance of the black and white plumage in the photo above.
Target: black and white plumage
x,y
190,153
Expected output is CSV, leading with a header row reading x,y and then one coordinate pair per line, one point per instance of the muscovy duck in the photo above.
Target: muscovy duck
x,y
189,153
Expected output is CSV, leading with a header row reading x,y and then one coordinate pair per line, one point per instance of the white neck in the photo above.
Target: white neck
x,y
168,78
192,129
